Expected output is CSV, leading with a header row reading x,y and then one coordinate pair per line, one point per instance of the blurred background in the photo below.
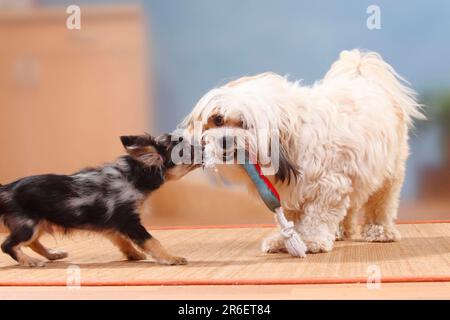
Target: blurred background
x,y
134,66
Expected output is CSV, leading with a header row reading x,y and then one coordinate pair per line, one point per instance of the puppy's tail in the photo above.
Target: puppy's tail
x,y
354,63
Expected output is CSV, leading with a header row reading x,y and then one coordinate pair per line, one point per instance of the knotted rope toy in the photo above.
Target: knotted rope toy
x,y
271,198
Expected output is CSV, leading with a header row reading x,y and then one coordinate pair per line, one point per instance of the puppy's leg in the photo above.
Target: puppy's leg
x,y
126,246
155,248
324,211
139,235
50,254
23,231
381,212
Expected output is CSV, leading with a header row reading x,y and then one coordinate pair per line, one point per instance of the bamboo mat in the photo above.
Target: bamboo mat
x,y
233,256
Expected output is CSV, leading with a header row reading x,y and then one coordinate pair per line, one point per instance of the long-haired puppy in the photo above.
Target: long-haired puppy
x,y
343,144
104,199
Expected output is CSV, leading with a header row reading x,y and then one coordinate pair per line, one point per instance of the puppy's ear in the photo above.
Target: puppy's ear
x,y
130,142
142,148
287,169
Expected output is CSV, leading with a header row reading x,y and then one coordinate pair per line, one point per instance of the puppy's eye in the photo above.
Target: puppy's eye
x,y
218,120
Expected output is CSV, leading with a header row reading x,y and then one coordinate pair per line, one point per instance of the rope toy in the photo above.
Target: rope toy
x,y
271,198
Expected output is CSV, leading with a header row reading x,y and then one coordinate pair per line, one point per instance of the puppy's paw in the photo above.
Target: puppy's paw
x,y
136,256
273,244
31,262
380,233
55,254
173,260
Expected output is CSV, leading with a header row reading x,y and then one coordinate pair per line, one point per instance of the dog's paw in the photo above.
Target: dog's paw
x,y
380,233
172,261
31,262
318,245
273,244
136,256
54,254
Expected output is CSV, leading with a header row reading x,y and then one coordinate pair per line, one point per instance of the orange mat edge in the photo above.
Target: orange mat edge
x,y
266,225
223,282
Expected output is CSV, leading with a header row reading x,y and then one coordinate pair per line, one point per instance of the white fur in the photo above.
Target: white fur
x,y
347,133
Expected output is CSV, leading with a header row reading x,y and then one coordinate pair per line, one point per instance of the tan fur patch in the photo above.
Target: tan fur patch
x,y
50,254
126,246
157,251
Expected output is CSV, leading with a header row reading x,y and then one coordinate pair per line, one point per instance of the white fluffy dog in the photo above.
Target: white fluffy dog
x,y
343,144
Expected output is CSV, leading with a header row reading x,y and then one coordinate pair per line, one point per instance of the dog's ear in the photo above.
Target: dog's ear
x,y
143,149
130,142
287,169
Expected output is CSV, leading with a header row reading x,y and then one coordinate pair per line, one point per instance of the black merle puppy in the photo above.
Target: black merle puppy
x,y
104,199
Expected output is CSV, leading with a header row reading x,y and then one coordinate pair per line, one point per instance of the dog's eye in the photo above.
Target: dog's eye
x,y
218,120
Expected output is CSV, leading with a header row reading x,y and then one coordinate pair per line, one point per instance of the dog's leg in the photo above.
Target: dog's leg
x,y
274,243
50,254
340,232
322,214
23,231
157,251
347,226
25,260
139,235
126,246
320,225
381,211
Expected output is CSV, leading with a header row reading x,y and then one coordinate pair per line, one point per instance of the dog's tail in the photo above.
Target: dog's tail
x,y
370,65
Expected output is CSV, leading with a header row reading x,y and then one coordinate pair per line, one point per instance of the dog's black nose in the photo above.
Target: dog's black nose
x,y
227,142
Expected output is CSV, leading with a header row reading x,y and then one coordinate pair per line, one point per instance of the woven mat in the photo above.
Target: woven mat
x,y
232,256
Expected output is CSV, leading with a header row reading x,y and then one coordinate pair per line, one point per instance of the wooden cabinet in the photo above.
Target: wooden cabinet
x,y
66,95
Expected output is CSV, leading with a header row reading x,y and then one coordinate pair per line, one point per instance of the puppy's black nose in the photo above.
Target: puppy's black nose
x,y
227,142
